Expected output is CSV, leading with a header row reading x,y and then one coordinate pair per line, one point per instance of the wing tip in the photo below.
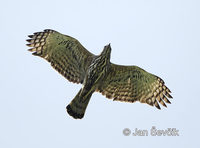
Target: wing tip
x,y
158,107
30,36
37,41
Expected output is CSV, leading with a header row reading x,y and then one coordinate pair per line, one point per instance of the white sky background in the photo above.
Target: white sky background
x,y
161,37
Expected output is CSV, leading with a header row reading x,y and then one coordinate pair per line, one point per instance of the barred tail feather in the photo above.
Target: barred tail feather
x,y
77,107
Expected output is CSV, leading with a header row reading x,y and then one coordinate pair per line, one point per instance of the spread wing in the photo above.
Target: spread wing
x,y
131,83
64,53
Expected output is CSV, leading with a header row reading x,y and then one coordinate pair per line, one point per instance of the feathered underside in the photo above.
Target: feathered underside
x,y
123,83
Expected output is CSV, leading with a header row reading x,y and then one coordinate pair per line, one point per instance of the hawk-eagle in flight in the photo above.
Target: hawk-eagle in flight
x,y
96,73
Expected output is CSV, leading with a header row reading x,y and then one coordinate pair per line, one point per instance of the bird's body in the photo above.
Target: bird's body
x,y
96,73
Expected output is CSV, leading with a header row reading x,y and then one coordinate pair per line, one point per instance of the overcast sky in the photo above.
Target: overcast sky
x,y
160,36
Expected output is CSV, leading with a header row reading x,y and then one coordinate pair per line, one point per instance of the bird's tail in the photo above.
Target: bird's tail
x,y
78,105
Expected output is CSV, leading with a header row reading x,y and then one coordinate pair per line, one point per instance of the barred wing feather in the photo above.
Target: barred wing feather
x,y
131,83
65,53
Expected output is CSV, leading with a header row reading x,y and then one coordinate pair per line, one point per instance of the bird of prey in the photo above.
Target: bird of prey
x,y
96,73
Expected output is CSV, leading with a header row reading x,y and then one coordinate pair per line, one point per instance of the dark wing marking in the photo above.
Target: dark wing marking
x,y
65,53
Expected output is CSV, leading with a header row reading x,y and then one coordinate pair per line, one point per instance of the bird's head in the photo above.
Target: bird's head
x,y
106,52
